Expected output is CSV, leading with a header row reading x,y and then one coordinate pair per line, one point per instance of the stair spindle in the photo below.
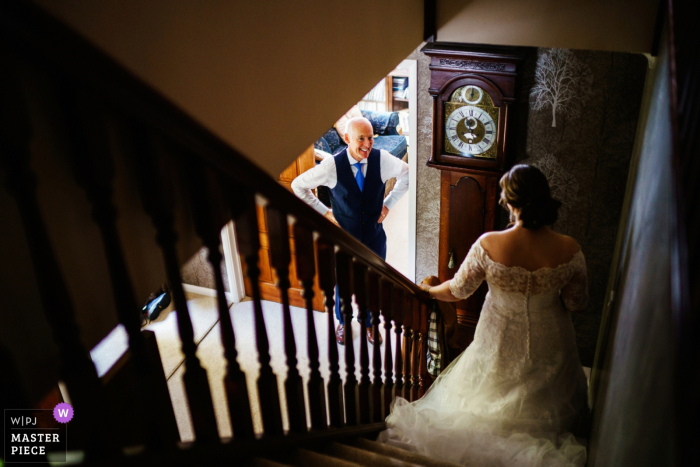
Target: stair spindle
x,y
151,164
376,390
207,213
93,171
415,349
407,345
343,272
243,208
77,369
398,352
305,269
424,376
280,256
387,307
327,280
360,282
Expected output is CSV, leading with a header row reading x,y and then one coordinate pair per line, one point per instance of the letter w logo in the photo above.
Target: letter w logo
x,y
63,412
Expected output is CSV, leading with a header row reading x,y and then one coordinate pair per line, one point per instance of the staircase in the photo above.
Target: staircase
x,y
355,452
107,189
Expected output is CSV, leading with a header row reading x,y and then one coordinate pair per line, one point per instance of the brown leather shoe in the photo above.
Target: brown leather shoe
x,y
340,334
370,336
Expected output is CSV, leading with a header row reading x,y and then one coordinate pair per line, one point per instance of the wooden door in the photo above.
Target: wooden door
x,y
268,279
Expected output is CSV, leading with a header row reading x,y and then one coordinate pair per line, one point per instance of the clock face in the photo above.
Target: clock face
x,y
472,94
471,130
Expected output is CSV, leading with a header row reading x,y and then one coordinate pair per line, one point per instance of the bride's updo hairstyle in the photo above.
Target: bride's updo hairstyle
x,y
525,187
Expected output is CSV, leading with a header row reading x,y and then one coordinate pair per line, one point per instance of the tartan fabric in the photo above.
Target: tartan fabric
x,y
434,356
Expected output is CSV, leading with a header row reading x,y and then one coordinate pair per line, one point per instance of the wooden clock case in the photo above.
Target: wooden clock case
x,y
469,190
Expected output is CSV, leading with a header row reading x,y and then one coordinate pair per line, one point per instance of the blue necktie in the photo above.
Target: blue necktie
x,y
358,176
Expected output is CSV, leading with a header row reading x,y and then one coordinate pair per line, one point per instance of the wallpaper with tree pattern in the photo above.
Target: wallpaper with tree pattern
x,y
576,119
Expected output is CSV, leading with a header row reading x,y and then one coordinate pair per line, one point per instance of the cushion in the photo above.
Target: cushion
x,y
396,145
340,124
322,144
379,120
332,140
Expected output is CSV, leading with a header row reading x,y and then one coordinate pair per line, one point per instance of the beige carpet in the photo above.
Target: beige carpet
x,y
210,353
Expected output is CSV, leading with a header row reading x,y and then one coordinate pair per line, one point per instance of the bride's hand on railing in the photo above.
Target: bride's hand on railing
x,y
427,283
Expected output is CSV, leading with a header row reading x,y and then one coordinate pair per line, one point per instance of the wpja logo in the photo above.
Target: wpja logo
x,y
36,435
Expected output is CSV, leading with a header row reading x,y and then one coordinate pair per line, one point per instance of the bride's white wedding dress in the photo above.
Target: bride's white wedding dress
x,y
511,396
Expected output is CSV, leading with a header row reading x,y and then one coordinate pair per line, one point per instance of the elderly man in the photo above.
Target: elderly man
x,y
356,178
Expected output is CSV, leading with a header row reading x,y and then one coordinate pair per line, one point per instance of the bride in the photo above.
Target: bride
x,y
515,394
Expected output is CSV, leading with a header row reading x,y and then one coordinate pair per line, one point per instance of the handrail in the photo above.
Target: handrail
x,y
109,114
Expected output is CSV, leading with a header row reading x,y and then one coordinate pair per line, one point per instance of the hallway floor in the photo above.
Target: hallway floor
x,y
210,352
205,322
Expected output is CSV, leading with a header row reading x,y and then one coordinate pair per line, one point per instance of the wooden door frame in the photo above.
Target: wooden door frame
x,y
412,66
233,264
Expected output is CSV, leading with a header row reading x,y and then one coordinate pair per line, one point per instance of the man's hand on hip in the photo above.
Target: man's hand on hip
x,y
329,215
382,216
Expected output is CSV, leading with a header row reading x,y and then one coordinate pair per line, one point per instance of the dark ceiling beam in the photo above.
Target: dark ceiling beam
x,y
430,20
658,27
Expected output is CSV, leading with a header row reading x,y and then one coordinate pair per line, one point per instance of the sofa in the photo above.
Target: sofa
x,y
385,127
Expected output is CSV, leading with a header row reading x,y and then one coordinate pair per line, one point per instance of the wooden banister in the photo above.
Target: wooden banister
x,y
169,158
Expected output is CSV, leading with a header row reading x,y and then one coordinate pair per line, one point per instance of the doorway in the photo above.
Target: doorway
x,y
397,92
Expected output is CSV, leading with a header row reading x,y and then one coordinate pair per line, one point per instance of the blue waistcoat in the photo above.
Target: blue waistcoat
x,y
358,211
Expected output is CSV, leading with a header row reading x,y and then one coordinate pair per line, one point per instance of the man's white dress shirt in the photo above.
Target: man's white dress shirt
x,y
325,174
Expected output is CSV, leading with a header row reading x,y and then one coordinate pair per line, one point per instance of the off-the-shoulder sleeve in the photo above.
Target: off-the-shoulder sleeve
x,y
575,293
470,274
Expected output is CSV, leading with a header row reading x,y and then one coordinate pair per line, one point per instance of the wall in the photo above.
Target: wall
x,y
633,411
197,271
585,157
266,77
250,69
622,25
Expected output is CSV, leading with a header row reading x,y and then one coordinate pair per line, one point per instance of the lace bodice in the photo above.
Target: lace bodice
x,y
569,278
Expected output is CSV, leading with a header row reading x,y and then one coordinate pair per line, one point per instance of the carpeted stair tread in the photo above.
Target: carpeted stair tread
x,y
410,457
365,457
260,462
303,457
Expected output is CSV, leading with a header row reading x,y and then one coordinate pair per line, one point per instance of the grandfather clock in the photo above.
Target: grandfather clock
x,y
473,89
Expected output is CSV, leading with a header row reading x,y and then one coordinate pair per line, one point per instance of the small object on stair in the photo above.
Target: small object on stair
x,y
157,302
